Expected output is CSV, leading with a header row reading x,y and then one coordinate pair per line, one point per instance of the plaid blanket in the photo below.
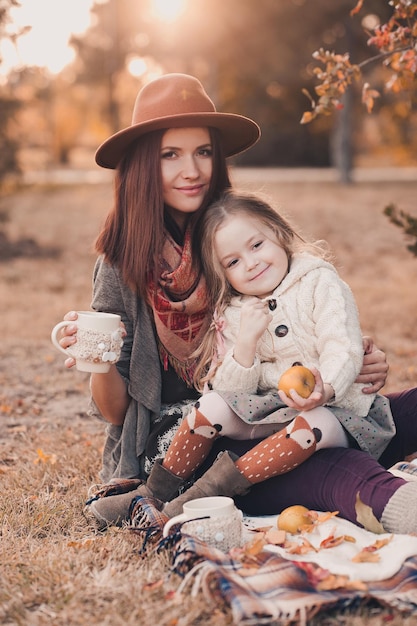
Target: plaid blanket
x,y
262,587
279,589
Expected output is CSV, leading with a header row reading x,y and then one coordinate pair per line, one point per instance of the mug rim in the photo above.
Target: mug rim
x,y
208,502
97,314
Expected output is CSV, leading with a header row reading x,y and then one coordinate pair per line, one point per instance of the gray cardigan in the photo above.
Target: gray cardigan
x,y
139,365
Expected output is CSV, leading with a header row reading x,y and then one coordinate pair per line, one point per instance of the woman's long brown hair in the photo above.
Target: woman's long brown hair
x,y
134,231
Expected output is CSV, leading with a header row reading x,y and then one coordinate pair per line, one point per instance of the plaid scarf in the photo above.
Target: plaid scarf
x,y
179,306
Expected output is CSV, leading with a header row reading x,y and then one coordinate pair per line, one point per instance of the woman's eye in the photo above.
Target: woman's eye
x,y
206,152
168,155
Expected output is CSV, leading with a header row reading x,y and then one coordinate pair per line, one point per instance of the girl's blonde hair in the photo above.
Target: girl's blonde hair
x,y
219,289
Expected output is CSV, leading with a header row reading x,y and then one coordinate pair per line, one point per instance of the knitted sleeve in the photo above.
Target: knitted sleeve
x,y
108,297
338,332
139,362
230,375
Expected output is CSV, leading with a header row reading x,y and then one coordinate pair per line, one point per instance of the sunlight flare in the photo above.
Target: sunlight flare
x,y
168,10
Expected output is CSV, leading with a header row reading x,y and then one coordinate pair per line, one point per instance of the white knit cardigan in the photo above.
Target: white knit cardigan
x,y
319,311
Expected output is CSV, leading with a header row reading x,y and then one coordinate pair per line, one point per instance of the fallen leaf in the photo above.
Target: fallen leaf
x,y
317,518
366,557
304,547
276,537
368,554
380,543
256,545
156,584
366,517
45,458
331,542
324,517
324,580
334,581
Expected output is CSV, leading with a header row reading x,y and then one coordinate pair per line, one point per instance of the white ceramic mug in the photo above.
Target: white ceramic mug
x,y
99,340
214,519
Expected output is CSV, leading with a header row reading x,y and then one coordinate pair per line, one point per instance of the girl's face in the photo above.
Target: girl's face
x,y
253,261
187,165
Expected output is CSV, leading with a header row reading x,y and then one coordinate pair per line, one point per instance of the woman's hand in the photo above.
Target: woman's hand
x,y
320,395
374,369
68,337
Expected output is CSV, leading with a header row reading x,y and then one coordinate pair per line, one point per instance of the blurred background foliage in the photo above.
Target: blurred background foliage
x,y
253,56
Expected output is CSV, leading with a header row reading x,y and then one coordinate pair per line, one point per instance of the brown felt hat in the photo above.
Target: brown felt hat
x,y
177,101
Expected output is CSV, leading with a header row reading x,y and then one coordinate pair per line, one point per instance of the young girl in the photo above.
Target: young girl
x,y
277,302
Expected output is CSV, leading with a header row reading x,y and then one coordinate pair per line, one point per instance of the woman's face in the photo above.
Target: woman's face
x,y
187,166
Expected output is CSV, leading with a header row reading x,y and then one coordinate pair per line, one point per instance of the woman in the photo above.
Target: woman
x,y
170,165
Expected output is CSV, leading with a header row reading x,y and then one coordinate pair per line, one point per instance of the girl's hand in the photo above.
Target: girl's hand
x,y
320,395
374,369
254,319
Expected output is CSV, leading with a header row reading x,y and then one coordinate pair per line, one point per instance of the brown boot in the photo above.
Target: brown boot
x,y
114,510
221,479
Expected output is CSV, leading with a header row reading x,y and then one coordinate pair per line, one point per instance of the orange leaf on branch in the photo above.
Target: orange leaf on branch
x,y
368,97
397,50
357,8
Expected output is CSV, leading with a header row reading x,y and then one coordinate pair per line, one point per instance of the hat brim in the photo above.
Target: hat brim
x,y
238,134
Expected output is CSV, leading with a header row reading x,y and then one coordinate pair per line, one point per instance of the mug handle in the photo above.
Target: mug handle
x,y
54,338
182,517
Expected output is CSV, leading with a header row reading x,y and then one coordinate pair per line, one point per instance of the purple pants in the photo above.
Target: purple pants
x,y
330,479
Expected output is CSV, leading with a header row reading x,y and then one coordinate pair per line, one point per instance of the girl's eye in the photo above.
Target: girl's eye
x,y
258,244
231,263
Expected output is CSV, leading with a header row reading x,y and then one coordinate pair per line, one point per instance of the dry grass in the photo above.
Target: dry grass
x,y
55,567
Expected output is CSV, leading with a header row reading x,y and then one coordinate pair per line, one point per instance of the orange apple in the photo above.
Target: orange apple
x,y
294,518
299,378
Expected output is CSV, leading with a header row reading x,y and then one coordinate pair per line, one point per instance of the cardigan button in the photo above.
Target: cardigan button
x,y
281,330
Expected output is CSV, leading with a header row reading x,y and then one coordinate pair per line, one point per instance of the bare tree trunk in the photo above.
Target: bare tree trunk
x,y
341,141
341,144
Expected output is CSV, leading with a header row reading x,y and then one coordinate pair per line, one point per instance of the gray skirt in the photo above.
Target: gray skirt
x,y
371,433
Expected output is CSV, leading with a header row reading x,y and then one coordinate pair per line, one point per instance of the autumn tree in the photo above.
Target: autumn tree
x,y
103,53
395,42
8,103
250,56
